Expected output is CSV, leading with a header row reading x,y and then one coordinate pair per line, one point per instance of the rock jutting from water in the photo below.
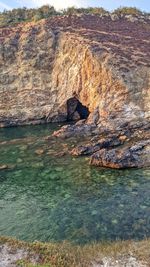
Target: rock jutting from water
x,y
90,69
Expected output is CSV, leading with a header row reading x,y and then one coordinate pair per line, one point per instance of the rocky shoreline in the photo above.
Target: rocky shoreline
x,y
116,149
88,68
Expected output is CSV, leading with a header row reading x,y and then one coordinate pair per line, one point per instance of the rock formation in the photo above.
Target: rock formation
x,y
73,66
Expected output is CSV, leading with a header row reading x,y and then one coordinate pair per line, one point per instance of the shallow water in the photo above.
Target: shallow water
x,y
51,198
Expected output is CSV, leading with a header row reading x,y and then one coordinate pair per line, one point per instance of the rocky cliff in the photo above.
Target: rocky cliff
x,y
77,63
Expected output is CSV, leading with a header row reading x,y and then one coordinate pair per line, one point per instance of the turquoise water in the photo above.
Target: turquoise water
x,y
50,197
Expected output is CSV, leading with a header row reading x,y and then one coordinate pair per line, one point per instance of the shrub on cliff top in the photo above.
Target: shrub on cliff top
x,y
90,10
18,15
128,11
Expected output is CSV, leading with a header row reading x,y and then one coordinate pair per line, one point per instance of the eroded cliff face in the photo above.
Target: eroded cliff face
x,y
103,63
42,66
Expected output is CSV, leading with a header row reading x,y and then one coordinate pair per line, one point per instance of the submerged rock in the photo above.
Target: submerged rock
x,y
39,151
19,160
3,167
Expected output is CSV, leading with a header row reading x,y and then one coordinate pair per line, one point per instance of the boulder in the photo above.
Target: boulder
x,y
133,156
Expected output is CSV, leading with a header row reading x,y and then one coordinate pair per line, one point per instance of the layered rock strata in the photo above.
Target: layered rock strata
x,y
103,63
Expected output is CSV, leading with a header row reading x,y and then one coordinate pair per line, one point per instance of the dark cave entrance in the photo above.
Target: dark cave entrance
x,y
75,110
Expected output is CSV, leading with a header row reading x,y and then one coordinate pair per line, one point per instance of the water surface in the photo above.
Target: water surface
x,y
50,197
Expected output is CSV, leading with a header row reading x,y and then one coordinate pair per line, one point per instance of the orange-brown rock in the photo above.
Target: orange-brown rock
x,y
103,62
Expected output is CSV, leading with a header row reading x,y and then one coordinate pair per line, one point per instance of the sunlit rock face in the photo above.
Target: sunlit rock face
x,y
103,63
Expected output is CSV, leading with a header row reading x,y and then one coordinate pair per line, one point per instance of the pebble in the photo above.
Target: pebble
x,y
3,167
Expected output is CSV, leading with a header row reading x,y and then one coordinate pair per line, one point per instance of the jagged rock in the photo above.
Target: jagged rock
x,y
114,17
126,157
75,130
89,149
94,60
80,122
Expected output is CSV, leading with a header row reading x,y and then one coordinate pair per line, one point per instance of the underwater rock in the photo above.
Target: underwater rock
x,y
24,147
19,160
61,154
3,167
37,165
39,151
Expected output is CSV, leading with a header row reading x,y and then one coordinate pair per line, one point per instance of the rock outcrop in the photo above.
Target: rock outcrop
x,y
101,62
125,157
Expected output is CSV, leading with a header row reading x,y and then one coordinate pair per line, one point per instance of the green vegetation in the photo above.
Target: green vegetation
x,y
89,10
128,11
22,263
18,15
67,255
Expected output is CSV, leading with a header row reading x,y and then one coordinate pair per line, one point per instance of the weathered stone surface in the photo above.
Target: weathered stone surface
x,y
101,61
97,59
133,156
91,148
120,149
76,130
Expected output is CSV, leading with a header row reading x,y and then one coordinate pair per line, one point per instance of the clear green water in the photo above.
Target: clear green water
x,y
50,198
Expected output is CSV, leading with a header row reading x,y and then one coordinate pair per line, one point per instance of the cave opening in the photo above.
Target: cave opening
x,y
75,110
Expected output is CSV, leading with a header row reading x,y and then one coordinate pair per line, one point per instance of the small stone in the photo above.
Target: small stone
x,y
38,165
59,169
19,160
123,138
114,221
94,212
60,154
50,152
23,148
39,152
3,167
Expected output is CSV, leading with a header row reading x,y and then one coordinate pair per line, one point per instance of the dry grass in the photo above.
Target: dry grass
x,y
67,255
